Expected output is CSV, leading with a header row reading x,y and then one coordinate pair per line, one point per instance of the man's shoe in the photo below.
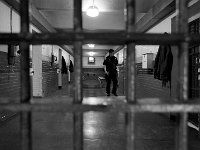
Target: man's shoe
x,y
108,94
115,94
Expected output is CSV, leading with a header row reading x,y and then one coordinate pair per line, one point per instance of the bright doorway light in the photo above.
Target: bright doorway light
x,y
91,45
91,53
92,11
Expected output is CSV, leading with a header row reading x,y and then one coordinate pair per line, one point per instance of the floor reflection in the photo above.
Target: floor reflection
x,y
102,129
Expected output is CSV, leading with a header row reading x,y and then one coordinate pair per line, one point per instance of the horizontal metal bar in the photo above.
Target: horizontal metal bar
x,y
156,108
111,38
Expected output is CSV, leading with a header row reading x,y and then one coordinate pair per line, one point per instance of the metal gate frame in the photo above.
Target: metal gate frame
x,y
194,56
79,37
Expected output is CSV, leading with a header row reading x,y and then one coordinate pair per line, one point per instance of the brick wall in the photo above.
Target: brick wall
x,y
148,87
9,84
9,77
64,79
49,78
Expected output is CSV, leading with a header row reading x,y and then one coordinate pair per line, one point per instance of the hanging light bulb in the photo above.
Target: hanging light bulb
x,y
92,11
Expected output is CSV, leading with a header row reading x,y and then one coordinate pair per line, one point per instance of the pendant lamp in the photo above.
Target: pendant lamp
x,y
92,11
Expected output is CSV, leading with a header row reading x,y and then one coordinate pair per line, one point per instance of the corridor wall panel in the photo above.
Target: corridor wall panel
x,y
9,77
49,77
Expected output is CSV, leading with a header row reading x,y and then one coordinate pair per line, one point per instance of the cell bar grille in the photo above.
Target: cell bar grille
x,y
130,63
25,117
78,37
183,48
182,143
78,116
109,38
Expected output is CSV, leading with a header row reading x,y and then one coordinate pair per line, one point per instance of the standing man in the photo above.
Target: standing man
x,y
110,68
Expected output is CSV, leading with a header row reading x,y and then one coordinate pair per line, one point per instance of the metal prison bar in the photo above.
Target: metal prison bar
x,y
79,37
25,117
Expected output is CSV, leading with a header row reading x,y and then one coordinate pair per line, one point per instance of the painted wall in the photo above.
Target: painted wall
x,y
9,74
113,21
163,26
37,68
98,62
13,23
147,60
45,76
120,56
7,24
36,14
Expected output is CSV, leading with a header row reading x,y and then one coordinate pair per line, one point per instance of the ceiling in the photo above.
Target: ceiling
x,y
59,14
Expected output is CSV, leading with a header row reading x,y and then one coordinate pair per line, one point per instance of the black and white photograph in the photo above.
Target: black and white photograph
x,y
99,74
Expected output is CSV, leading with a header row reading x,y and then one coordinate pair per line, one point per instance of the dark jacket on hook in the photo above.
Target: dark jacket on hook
x,y
71,67
163,64
64,66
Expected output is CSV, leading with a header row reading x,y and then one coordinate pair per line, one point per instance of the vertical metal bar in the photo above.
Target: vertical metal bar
x,y
131,71
131,75
78,131
183,54
25,119
25,78
25,124
78,15
199,124
184,48
24,14
78,72
130,131
78,117
60,69
183,58
124,71
182,132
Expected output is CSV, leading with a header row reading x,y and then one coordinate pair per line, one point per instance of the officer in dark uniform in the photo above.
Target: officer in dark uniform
x,y
110,69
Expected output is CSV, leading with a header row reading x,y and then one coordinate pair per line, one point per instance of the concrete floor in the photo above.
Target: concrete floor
x,y
102,131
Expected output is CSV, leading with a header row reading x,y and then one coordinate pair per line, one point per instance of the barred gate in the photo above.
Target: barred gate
x,y
129,37
194,58
194,69
194,62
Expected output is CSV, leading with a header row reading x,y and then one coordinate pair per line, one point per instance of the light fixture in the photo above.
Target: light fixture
x,y
92,11
91,45
91,53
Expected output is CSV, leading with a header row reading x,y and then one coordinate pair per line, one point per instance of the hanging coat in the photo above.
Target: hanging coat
x,y
64,66
71,66
163,64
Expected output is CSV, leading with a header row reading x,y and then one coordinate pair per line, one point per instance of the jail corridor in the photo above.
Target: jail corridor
x,y
58,59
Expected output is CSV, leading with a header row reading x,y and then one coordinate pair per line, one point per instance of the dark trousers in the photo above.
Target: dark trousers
x,y
111,77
